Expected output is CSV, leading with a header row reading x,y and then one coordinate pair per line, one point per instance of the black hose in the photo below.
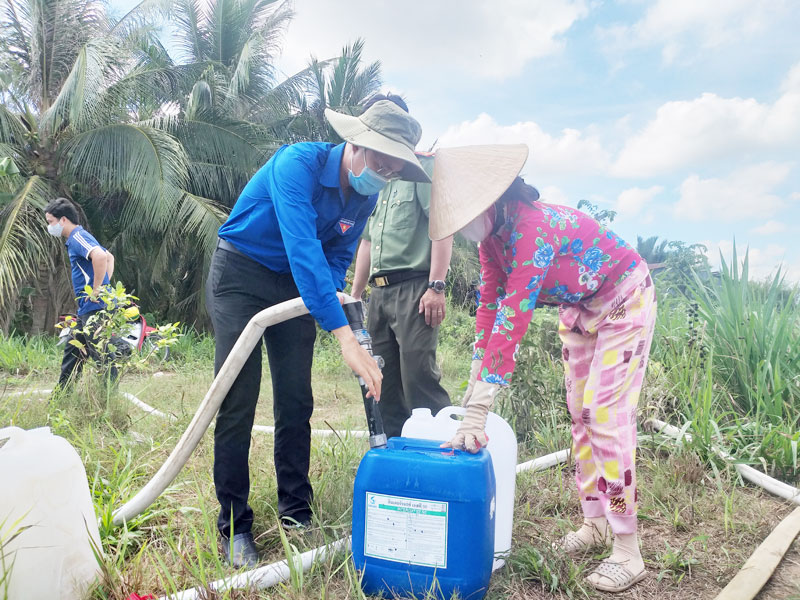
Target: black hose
x,y
355,317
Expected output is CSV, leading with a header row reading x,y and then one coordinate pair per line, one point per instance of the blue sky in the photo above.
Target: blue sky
x,y
682,115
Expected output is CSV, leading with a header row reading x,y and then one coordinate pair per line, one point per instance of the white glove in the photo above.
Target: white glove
x,y
474,370
471,435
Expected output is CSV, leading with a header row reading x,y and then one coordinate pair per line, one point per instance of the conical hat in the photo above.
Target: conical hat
x,y
468,180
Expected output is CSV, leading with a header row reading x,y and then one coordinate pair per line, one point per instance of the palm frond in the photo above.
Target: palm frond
x,y
12,129
82,93
191,29
24,243
146,163
223,154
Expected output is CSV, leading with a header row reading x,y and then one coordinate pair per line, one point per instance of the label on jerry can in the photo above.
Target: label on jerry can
x,y
406,530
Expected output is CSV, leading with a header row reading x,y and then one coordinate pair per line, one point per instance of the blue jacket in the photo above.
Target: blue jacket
x,y
292,217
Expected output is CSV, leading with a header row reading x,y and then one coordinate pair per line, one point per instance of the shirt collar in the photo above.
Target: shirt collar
x,y
330,173
69,237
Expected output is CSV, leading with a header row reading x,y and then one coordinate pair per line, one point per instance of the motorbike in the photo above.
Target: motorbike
x,y
140,337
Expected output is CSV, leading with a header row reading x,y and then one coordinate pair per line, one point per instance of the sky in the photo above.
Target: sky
x,y
681,115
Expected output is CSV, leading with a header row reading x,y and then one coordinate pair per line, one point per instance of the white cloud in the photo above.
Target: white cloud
x,y
631,202
745,194
681,27
488,40
710,127
571,152
769,228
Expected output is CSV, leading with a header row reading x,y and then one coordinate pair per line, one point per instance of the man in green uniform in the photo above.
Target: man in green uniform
x,y
406,272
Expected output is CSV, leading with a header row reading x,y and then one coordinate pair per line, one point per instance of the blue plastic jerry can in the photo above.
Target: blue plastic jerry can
x,y
423,520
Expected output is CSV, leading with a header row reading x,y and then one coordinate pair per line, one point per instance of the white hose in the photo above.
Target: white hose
x,y
778,488
544,462
264,577
208,408
147,408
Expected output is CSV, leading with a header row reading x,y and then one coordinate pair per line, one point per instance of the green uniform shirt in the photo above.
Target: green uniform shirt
x,y
398,227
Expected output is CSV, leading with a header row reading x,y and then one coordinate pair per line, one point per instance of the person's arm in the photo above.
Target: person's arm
x,y
109,264
513,313
361,274
99,259
492,286
433,303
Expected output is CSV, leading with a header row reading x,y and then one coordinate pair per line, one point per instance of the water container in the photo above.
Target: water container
x,y
423,520
503,448
45,498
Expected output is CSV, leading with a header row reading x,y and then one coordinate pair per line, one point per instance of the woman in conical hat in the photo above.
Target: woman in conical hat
x,y
534,252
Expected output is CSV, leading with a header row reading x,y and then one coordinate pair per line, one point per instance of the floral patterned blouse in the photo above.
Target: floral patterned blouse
x,y
542,253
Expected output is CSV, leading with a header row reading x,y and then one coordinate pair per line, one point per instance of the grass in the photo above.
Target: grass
x,y
698,522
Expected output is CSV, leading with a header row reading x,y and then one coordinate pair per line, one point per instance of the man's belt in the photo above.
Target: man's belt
x,y
392,278
228,247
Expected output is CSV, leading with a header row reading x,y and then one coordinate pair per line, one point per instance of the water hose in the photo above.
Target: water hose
x,y
208,408
355,316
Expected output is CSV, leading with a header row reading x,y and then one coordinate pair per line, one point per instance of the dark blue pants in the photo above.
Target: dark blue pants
x,y
237,289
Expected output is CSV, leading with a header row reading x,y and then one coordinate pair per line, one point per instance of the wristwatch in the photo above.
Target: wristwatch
x,y
437,285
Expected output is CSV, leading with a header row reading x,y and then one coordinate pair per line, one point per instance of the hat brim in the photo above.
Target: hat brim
x,y
467,181
353,130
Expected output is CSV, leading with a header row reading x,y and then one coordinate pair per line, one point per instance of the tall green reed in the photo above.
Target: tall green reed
x,y
754,328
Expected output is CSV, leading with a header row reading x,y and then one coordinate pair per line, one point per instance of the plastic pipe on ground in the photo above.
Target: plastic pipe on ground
x,y
264,577
762,563
29,393
208,408
147,408
544,462
778,488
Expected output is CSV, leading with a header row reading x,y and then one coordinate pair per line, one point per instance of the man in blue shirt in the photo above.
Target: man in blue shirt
x,y
293,232
91,265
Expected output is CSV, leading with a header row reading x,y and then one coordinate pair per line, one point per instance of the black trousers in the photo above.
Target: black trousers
x,y
237,289
73,359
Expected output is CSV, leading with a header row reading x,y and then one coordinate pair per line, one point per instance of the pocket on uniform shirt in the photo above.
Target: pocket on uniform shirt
x,y
403,213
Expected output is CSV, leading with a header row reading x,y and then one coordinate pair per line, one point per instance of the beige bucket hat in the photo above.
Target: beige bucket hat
x,y
468,180
386,128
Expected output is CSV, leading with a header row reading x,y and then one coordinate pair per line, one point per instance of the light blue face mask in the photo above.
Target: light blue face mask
x,y
56,229
368,182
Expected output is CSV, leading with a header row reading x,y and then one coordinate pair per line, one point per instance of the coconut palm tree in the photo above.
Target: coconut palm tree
x,y
651,250
342,84
88,113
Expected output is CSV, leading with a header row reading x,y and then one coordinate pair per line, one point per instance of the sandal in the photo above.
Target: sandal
x,y
572,544
618,577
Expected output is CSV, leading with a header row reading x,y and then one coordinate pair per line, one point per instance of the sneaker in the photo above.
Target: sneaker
x,y
244,550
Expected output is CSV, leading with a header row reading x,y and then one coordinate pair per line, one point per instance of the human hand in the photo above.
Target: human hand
x,y
433,305
474,369
471,435
360,361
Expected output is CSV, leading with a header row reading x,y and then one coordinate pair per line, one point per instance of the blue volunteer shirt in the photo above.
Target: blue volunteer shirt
x,y
292,217
79,244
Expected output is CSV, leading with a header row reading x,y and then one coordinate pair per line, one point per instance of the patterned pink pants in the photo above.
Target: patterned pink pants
x,y
606,345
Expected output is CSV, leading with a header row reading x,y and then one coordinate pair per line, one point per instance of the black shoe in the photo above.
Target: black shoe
x,y
291,524
244,550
